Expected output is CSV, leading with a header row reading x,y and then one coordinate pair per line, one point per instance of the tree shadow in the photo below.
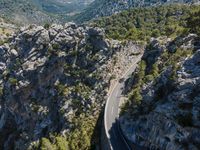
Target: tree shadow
x,y
119,141
96,139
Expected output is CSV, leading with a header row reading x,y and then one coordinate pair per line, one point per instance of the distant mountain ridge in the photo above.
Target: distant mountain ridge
x,y
40,11
101,8
62,6
59,11
22,11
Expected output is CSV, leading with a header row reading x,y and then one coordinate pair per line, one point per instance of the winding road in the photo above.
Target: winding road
x,y
111,114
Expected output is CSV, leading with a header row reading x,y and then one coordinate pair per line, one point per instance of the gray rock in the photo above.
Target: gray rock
x,y
55,74
14,52
168,117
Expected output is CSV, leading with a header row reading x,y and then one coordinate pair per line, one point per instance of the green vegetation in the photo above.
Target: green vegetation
x,y
194,21
78,139
142,23
46,25
46,144
13,81
81,136
55,46
3,41
60,143
168,59
35,107
137,24
83,90
62,89
1,91
5,31
135,94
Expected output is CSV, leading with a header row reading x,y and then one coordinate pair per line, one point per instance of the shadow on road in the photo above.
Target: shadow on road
x,y
118,141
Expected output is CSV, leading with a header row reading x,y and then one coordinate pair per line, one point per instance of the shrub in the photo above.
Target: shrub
x,y
13,81
194,22
61,143
155,33
149,78
141,72
3,41
62,89
46,25
45,144
1,91
55,46
155,70
136,96
81,136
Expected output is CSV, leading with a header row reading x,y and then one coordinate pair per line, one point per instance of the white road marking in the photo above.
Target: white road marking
x,y
112,110
109,98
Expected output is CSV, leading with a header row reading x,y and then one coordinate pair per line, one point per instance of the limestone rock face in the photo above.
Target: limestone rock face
x,y
168,116
51,76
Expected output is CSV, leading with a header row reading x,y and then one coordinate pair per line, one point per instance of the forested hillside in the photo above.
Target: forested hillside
x,y
162,95
23,12
55,79
100,8
143,23
40,12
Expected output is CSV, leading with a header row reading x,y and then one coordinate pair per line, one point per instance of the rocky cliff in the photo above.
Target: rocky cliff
x,y
163,105
54,82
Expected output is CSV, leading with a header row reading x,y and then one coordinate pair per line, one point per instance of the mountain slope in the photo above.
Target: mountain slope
x,y
22,12
65,7
162,97
163,109
54,83
55,80
143,23
36,11
101,8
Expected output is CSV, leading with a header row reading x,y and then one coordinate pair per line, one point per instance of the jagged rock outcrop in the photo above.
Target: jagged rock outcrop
x,y
168,116
51,76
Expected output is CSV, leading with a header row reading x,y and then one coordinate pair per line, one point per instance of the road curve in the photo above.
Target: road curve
x,y
111,113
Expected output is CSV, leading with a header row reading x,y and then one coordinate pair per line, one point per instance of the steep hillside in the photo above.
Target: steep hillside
x,y
54,83
6,29
101,8
37,11
64,9
55,79
162,97
22,12
141,24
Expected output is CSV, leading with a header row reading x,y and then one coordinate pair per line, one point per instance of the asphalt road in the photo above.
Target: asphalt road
x,y
111,115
